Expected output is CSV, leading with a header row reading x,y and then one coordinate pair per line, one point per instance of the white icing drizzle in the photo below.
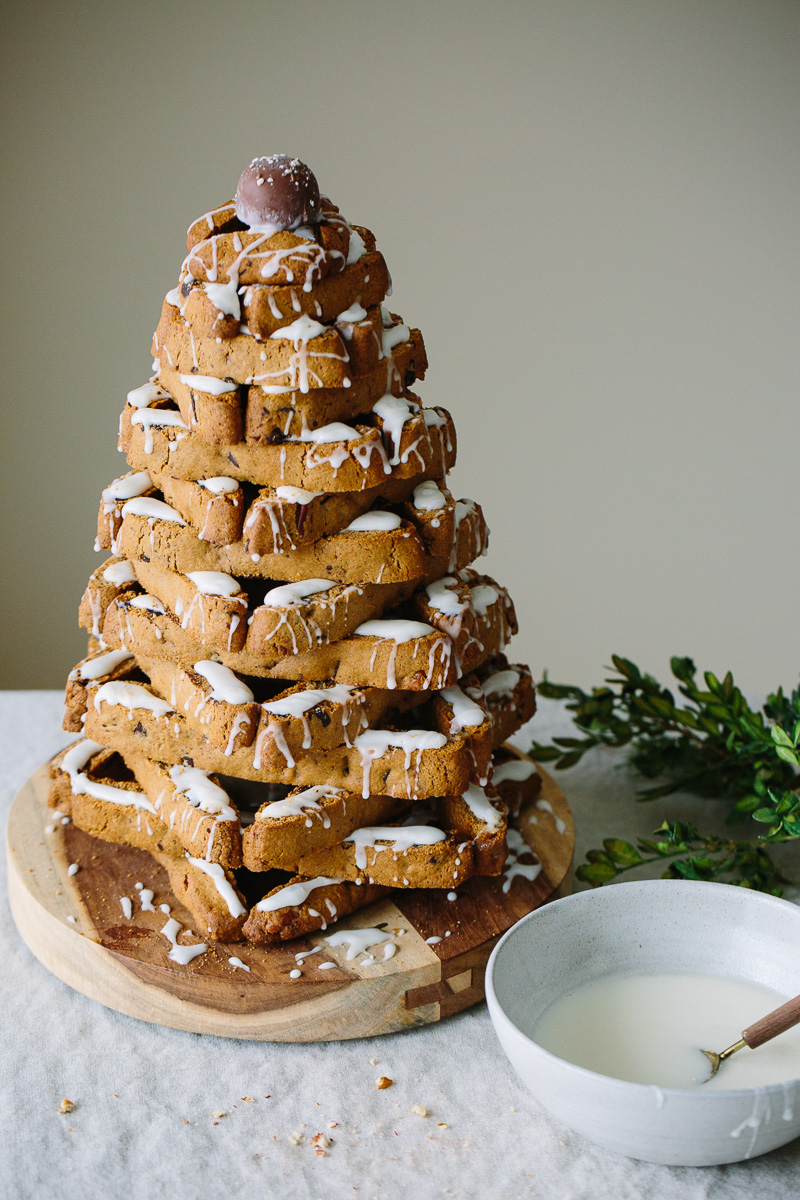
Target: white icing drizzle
x,y
296,495
237,962
502,682
395,412
466,714
517,846
120,572
220,485
352,315
225,297
144,396
393,335
401,838
148,603
297,703
561,826
294,893
148,506
202,793
374,522
208,384
517,770
156,418
398,632
180,954
301,330
76,758
217,875
335,431
104,664
130,696
375,742
304,802
225,685
393,630
481,807
288,595
357,940
215,583
483,597
357,248
428,497
126,487
444,599
127,907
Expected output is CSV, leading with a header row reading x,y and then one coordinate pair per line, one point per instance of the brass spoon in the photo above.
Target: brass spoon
x,y
778,1021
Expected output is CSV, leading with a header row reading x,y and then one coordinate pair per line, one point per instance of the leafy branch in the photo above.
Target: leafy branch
x,y
714,745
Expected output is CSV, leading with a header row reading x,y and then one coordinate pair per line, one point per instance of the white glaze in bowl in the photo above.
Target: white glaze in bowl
x,y
655,925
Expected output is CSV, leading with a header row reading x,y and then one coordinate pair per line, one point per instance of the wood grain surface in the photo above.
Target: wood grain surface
x,y
76,927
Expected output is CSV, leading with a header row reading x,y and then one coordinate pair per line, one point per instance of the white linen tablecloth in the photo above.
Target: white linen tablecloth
x,y
144,1096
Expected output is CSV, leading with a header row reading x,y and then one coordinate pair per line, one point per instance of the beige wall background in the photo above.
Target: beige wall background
x,y
589,208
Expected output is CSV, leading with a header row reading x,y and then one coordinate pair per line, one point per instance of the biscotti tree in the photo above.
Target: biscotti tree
x,y
295,696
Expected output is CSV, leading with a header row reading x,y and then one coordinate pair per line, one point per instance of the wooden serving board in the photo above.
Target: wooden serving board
x,y
76,928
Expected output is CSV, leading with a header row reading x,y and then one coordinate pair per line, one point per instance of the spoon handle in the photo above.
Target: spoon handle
x,y
778,1021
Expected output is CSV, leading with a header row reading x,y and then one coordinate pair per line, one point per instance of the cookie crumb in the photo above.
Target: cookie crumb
x,y
66,1106
295,1137
442,1125
383,1081
512,1109
420,1110
220,1112
372,1062
333,1124
249,1099
319,1141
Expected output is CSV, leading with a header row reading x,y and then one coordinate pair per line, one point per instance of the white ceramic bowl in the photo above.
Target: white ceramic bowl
x,y
657,925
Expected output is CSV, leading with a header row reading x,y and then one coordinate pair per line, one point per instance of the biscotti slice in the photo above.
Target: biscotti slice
x,y
305,905
209,892
216,508
102,664
508,693
460,837
112,501
308,819
93,787
115,577
334,458
515,779
194,805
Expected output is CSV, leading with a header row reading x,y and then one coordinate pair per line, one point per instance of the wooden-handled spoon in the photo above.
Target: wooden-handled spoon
x,y
778,1021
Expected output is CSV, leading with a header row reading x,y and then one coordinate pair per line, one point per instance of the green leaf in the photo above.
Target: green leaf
x,y
596,873
780,736
746,804
787,755
765,815
622,853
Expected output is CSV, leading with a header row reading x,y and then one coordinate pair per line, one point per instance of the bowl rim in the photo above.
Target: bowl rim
x,y
496,1009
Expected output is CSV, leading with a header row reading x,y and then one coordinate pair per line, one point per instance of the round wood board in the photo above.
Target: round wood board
x,y
76,928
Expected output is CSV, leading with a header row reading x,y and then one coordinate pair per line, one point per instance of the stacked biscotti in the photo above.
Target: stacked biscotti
x,y
295,696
